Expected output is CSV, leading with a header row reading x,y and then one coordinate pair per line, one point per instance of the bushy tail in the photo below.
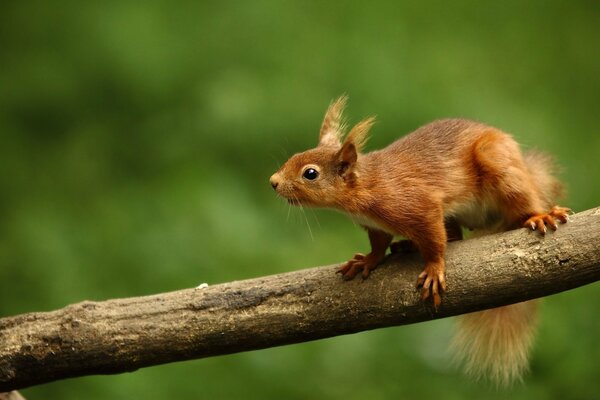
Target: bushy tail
x,y
495,343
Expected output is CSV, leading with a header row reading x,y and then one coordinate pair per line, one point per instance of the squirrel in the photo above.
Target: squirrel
x,y
426,186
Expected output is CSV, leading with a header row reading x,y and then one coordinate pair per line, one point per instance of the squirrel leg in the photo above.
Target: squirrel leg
x,y
523,206
522,184
379,244
432,246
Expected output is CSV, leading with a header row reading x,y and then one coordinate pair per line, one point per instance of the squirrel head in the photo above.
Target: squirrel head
x,y
323,176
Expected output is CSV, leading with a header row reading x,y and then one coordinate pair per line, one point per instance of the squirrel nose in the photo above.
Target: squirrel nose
x,y
274,181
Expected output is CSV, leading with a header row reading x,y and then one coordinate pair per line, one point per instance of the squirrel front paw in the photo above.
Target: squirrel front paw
x,y
540,221
366,263
433,282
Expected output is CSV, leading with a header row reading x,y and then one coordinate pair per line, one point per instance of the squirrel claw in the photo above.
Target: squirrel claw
x,y
539,222
561,213
432,282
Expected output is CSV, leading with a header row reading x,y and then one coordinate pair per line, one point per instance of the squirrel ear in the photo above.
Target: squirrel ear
x,y
332,127
346,158
352,145
359,133
347,155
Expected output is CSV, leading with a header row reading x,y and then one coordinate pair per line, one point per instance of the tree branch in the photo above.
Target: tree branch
x,y
122,335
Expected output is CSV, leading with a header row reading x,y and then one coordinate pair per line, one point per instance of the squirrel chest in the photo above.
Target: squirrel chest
x,y
367,222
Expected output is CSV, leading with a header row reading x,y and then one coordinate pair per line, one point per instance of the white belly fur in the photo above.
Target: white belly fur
x,y
368,222
473,215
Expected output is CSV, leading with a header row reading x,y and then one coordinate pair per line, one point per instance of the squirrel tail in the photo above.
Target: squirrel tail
x,y
496,343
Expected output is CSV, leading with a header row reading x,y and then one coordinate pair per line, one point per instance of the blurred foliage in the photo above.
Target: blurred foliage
x,y
137,138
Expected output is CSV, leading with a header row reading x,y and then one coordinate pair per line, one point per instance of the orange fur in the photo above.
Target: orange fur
x,y
333,125
424,186
496,343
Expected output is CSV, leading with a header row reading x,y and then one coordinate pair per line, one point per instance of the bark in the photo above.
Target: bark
x,y
11,396
120,335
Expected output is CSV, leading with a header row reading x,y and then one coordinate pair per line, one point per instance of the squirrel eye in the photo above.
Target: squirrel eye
x,y
310,174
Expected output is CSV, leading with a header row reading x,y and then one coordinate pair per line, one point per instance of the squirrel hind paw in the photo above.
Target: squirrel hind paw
x,y
561,213
539,222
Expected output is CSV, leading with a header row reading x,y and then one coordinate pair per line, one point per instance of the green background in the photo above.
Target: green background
x,y
137,139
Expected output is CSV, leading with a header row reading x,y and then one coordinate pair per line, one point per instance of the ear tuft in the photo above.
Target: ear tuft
x,y
359,133
333,125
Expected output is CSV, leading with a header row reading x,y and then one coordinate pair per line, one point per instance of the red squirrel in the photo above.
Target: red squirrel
x,y
425,186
